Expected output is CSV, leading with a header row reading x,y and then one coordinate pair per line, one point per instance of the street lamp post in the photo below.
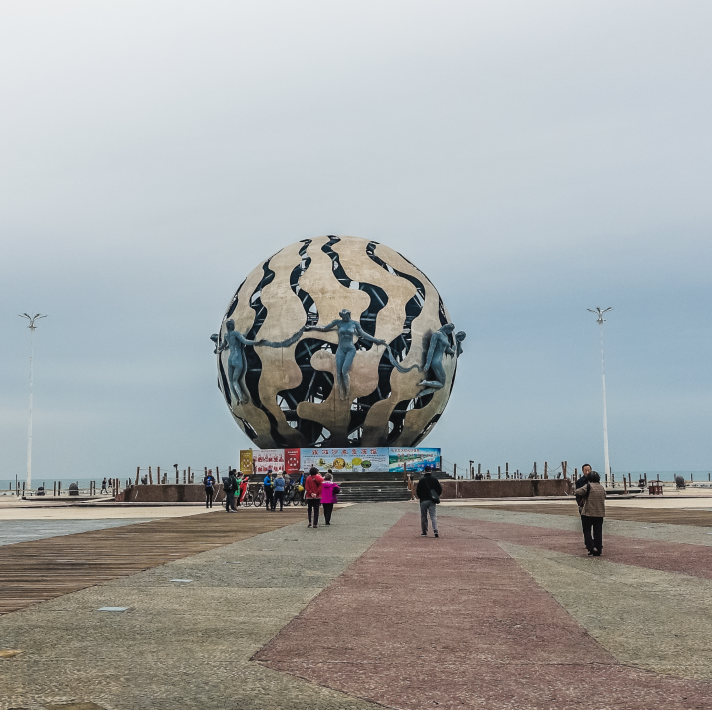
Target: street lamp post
x,y
32,327
600,320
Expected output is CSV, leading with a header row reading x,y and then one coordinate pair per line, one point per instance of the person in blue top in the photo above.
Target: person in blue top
x,y
278,486
269,490
209,482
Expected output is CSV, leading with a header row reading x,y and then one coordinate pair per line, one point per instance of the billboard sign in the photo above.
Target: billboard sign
x,y
265,459
413,459
246,461
292,460
356,459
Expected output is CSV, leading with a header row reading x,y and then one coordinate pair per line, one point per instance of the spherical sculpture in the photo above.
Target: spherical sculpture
x,y
336,341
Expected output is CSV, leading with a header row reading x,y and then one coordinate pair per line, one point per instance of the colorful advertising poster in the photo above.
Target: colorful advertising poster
x,y
351,460
246,461
413,459
265,459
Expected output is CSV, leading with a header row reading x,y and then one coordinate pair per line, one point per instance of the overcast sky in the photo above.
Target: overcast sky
x,y
534,158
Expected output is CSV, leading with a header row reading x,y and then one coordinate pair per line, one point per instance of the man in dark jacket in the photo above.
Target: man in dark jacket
x,y
428,485
268,489
208,482
582,480
230,485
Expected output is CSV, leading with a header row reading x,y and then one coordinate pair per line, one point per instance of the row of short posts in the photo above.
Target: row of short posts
x,y
162,479
515,475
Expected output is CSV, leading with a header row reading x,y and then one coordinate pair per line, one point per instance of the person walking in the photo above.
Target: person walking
x,y
103,486
278,486
329,491
313,489
269,491
593,511
209,483
230,486
428,491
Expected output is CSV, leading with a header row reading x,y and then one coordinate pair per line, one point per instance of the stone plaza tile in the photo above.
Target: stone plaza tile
x,y
187,646
655,620
457,622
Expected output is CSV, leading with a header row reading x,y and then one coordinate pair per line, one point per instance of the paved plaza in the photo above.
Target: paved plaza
x,y
255,610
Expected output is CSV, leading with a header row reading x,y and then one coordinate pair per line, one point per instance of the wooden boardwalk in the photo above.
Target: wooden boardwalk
x,y
670,516
38,570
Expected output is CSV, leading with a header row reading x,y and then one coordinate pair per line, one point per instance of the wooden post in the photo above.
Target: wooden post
x,y
546,469
625,487
176,475
535,473
59,488
499,472
506,468
190,479
183,476
564,466
54,488
479,469
158,474
137,472
150,476
454,471
630,482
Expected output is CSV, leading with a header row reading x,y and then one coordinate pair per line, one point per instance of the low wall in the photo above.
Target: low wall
x,y
167,493
512,488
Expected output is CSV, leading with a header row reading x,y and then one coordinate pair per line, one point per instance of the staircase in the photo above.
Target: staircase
x,y
386,487
373,491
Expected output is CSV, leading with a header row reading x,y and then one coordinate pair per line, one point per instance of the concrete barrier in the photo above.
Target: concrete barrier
x,y
168,493
512,488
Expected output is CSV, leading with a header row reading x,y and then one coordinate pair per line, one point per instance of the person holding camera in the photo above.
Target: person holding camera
x,y
591,498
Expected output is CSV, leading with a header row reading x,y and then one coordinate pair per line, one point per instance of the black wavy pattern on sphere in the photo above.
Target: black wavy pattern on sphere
x,y
233,304
397,417
379,298
316,386
401,345
295,276
256,301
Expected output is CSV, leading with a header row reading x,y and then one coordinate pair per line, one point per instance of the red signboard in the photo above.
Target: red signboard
x,y
292,460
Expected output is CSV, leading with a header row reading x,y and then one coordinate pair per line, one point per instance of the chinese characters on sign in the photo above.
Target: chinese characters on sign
x,y
357,459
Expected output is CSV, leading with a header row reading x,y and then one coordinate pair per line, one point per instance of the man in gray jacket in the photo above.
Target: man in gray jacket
x,y
593,510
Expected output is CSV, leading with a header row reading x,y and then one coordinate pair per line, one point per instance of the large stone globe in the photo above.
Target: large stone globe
x,y
327,343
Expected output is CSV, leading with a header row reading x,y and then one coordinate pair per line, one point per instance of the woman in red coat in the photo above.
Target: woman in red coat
x,y
312,488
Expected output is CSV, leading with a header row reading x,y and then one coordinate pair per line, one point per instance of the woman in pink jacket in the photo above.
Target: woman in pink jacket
x,y
329,490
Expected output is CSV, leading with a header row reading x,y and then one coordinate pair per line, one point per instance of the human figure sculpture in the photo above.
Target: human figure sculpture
x,y
459,337
439,346
346,351
235,342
